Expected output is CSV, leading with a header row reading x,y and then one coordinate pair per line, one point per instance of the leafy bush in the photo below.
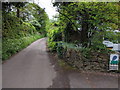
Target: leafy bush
x,y
14,27
53,37
98,46
36,24
62,48
11,46
52,46
112,36
29,28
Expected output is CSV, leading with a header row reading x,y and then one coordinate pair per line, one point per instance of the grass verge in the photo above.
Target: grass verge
x,y
12,46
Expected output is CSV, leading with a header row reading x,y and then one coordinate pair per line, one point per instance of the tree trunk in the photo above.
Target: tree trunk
x,y
18,12
84,32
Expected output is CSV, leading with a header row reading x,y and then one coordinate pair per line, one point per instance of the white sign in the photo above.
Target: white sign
x,y
116,47
114,61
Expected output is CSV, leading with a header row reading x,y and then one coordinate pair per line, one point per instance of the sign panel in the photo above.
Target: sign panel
x,y
114,61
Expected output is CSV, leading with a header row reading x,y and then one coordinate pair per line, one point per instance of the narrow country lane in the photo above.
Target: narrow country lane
x,y
30,68
33,67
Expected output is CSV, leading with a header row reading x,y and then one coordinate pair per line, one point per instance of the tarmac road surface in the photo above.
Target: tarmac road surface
x,y
32,68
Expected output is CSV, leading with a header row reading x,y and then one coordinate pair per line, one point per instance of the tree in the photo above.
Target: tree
x,y
18,5
9,6
89,17
36,15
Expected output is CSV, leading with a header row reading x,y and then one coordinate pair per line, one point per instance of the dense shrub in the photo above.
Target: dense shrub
x,y
36,24
62,47
11,46
14,27
54,36
17,30
16,35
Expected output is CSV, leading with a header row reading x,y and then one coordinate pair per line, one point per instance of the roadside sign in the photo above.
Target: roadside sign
x,y
114,61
